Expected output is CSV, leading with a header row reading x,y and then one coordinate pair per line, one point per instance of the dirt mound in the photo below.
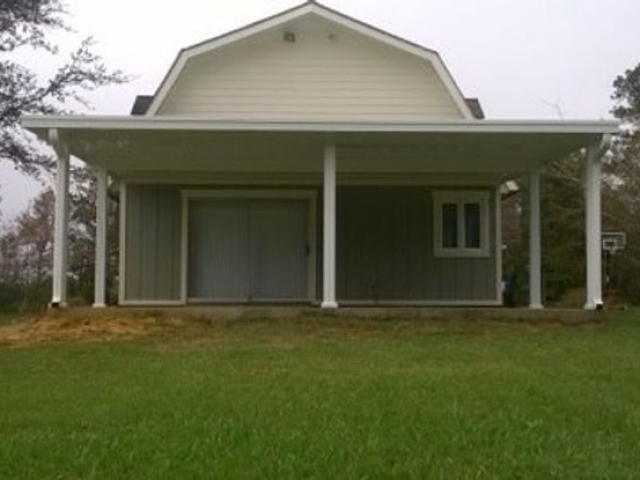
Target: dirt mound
x,y
53,327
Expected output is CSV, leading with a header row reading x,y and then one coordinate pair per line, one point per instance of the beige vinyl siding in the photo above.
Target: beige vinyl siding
x,y
329,72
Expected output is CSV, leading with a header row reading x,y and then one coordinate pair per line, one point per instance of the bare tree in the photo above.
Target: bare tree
x,y
26,23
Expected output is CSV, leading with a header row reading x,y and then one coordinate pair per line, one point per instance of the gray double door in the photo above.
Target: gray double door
x,y
247,250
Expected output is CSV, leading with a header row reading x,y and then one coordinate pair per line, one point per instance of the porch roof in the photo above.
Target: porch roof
x,y
126,144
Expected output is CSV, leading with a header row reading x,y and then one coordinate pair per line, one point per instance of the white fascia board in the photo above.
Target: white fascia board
x,y
39,123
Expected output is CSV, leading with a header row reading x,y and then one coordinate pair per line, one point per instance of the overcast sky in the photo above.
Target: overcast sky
x,y
536,59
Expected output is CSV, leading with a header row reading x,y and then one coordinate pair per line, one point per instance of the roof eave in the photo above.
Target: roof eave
x,y
41,123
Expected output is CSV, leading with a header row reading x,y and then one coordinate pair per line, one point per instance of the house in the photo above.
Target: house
x,y
312,158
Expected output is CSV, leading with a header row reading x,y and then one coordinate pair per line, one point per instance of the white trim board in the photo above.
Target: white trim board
x,y
250,194
314,179
42,123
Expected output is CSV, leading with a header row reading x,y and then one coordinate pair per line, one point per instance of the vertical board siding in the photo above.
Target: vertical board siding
x,y
385,250
384,247
153,227
328,71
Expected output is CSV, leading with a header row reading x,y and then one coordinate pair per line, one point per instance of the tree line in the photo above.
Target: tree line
x,y
26,247
26,241
563,214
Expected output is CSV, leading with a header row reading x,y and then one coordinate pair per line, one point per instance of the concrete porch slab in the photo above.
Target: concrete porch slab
x,y
229,312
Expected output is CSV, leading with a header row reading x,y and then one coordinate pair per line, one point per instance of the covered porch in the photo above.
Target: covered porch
x,y
353,181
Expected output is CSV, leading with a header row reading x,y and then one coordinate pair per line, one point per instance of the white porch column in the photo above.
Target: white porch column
x,y
535,256
61,223
101,239
329,226
593,228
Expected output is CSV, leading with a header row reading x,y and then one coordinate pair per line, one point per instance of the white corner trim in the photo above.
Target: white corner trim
x,y
460,198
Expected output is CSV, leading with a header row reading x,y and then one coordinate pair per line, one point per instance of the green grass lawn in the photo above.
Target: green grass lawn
x,y
328,398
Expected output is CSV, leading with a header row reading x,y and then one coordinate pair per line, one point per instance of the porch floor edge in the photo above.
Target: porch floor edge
x,y
231,312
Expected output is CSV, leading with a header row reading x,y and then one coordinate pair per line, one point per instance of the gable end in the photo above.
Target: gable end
x,y
396,59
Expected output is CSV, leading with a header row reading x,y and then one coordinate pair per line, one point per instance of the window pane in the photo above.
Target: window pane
x,y
449,225
472,225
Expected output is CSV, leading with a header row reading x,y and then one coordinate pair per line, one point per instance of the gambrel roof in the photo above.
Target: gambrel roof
x,y
468,108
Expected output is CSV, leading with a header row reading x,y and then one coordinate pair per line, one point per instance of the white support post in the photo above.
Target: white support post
x,y
499,272
61,223
329,226
535,256
101,239
122,224
593,228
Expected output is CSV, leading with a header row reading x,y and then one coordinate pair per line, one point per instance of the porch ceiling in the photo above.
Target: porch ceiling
x,y
156,144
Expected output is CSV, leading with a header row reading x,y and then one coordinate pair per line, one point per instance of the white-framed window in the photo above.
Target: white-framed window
x,y
461,223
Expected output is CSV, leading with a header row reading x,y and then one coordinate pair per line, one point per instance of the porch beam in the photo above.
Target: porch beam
x,y
61,222
593,224
535,255
37,123
101,239
329,226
